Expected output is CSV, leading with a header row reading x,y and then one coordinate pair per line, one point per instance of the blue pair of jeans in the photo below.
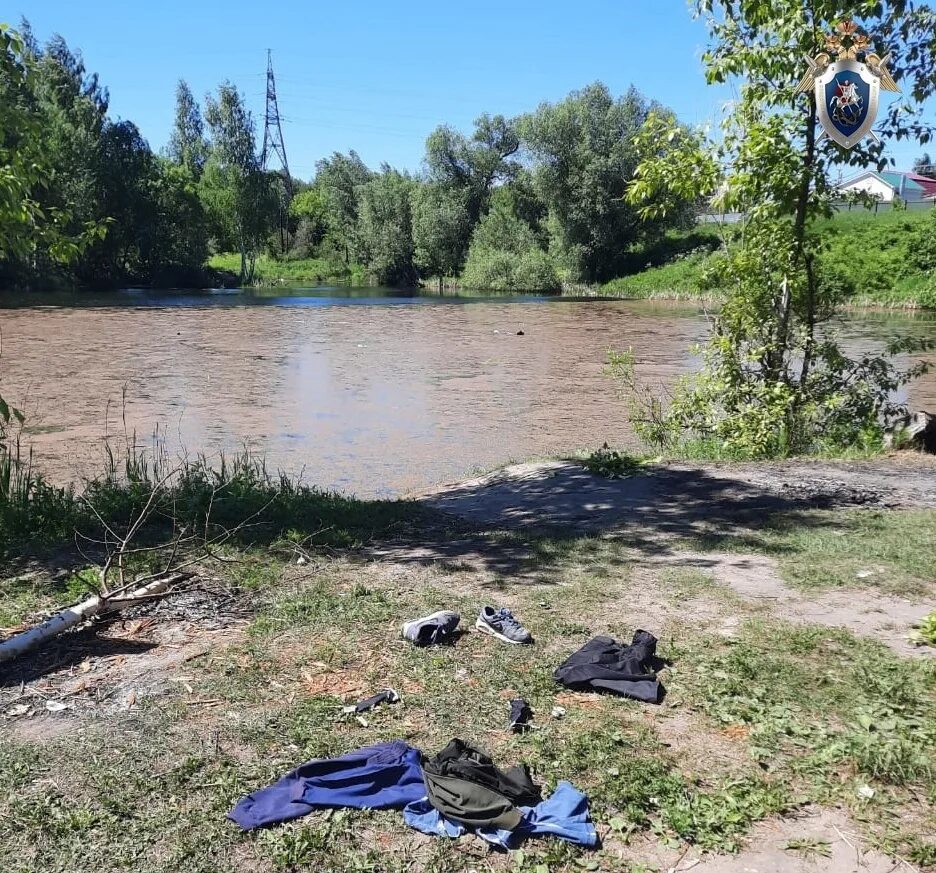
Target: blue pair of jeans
x,y
383,776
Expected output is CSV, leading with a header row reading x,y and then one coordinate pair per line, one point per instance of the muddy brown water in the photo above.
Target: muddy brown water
x,y
369,392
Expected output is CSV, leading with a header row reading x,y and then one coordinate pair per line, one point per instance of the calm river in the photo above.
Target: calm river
x,y
366,391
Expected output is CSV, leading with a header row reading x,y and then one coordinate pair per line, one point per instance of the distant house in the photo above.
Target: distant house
x,y
890,185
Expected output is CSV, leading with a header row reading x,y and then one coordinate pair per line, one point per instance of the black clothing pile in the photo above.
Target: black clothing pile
x,y
465,785
603,664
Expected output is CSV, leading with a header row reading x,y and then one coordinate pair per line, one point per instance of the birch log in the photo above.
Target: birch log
x,y
74,615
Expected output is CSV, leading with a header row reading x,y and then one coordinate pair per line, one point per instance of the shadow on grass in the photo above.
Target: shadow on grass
x,y
526,530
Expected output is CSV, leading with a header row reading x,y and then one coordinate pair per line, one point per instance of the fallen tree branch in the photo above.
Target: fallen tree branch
x,y
75,615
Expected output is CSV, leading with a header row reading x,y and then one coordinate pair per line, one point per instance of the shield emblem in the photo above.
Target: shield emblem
x,y
847,101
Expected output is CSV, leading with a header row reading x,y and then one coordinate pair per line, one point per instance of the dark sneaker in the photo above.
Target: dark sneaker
x,y
501,623
433,629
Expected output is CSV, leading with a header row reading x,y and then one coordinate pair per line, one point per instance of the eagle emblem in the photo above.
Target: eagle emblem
x,y
846,89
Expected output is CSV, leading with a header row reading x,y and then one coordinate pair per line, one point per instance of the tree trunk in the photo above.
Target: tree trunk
x,y
74,615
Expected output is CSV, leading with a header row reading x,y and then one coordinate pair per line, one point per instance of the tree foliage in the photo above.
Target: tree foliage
x,y
473,165
505,253
440,227
561,169
584,158
95,205
775,379
341,177
240,198
187,145
386,227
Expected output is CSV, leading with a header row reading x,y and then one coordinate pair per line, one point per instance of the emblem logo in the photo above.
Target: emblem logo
x,y
847,90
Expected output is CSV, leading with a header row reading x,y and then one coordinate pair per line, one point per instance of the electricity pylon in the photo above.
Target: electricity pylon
x,y
273,145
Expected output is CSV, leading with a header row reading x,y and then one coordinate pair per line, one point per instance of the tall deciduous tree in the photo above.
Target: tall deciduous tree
x,y
180,227
440,230
775,381
474,165
238,195
386,227
187,146
584,158
341,177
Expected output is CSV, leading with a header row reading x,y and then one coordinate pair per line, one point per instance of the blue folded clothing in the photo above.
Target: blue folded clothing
x,y
563,815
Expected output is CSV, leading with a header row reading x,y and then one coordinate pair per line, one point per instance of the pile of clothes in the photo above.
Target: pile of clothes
x,y
461,789
458,790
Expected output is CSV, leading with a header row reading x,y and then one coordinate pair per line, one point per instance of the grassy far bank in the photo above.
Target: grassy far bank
x,y
875,251
771,719
294,271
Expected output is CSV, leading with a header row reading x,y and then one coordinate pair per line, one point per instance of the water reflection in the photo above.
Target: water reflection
x,y
376,394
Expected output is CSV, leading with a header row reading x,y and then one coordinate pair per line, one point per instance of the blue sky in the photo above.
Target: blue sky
x,y
378,77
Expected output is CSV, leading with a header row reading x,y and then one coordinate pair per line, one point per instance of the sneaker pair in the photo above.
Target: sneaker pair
x,y
440,626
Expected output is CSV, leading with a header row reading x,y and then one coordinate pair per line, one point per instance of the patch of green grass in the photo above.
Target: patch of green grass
x,y
682,583
611,463
924,632
681,279
276,271
889,551
827,712
810,847
877,247
237,495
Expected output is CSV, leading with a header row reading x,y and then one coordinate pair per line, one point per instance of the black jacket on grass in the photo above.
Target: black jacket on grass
x,y
603,664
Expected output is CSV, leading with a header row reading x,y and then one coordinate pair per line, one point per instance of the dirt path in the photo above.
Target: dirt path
x,y
675,498
670,502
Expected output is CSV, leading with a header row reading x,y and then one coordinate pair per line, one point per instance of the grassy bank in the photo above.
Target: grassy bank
x,y
763,718
872,252
770,721
300,271
235,502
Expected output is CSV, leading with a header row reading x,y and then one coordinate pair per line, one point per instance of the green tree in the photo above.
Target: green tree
x,y
775,380
71,107
473,165
584,158
239,198
187,145
309,211
440,230
386,228
180,227
126,182
505,254
341,178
